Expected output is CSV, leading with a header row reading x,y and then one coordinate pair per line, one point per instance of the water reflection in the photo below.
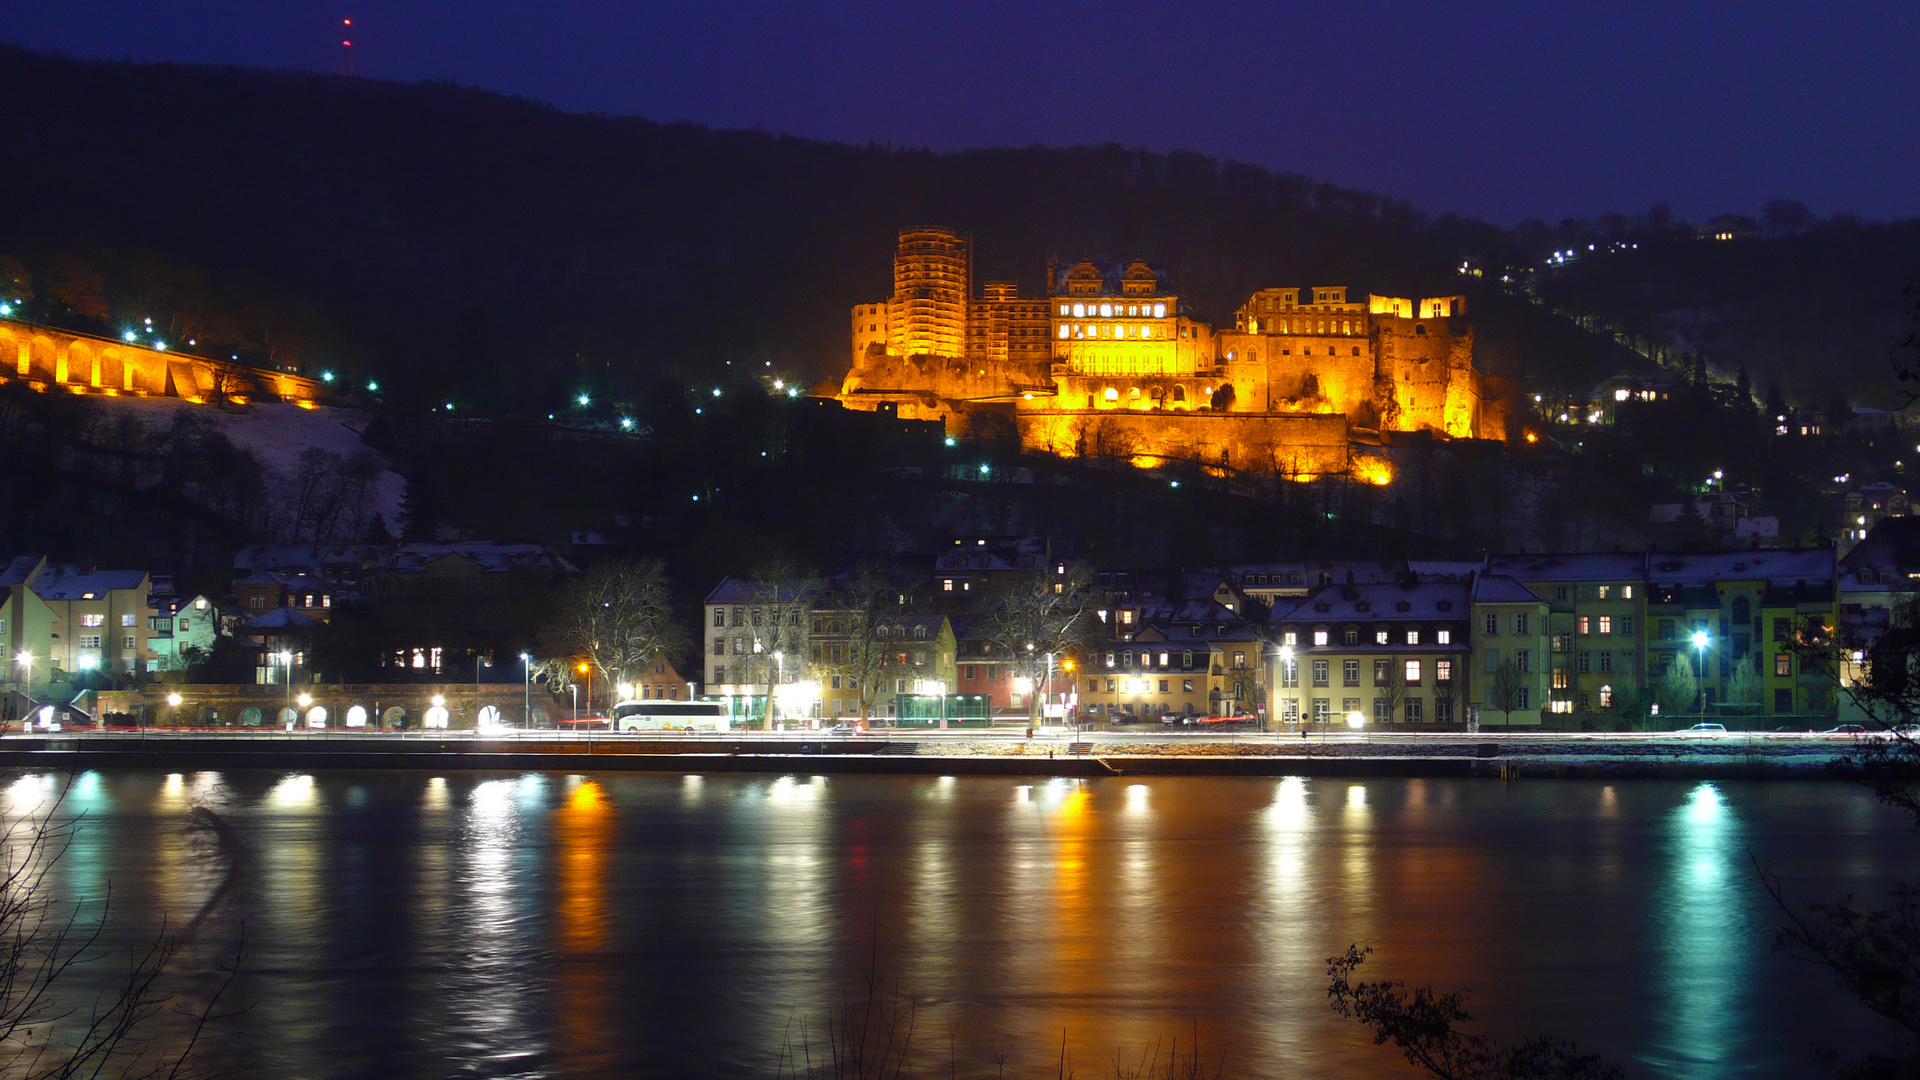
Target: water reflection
x,y
617,925
583,837
1705,940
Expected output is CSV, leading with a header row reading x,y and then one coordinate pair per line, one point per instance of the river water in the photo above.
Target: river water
x,y
553,924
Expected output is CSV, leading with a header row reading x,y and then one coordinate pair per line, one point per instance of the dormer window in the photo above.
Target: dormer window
x,y
1413,635
1403,606
1320,637
1380,636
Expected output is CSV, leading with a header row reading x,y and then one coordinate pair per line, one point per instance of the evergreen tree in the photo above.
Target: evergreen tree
x,y
1776,402
1743,387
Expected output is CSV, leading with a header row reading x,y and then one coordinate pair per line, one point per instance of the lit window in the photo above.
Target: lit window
x,y
1063,309
1079,311
1159,311
1065,330
1601,592
1290,638
946,584
1320,637
1626,592
1606,624
1443,637
1112,394
1413,637
1443,671
1413,673
1585,627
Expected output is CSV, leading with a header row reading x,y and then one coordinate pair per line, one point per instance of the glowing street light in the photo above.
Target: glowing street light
x,y
174,700
526,666
1356,720
583,400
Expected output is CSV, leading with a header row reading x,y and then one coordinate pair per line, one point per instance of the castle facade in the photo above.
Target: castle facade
x,y
1111,363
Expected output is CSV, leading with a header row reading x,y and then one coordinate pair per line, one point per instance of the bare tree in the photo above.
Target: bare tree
x,y
1043,612
780,597
47,944
1504,690
1393,692
858,640
1427,1027
617,617
1875,952
1678,686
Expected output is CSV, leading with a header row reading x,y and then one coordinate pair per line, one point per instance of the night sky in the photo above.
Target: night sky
x,y
1502,110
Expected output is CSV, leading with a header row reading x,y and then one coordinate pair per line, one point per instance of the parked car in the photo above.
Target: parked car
x,y
1846,729
1708,728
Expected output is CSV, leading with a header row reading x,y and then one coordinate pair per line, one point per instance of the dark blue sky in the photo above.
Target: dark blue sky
x,y
1547,108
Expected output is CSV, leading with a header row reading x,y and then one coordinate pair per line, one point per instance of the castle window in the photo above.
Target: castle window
x,y
1079,311
1106,311
1420,330
1133,309
1356,350
1063,309
1159,311
1112,394
1064,328
1146,331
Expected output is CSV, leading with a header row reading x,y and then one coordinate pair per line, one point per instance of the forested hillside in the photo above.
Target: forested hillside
x,y
454,244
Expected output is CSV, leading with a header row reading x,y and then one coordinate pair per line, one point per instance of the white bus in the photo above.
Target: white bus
x,y
670,716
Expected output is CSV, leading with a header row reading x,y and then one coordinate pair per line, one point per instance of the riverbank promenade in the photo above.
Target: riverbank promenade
x,y
1059,753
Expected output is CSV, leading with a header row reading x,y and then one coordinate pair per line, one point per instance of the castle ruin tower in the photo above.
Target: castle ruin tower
x,y
932,283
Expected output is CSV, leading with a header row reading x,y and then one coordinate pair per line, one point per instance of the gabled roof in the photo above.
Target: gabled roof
x,y
743,591
72,583
1577,566
280,619
1500,589
1431,600
1777,566
493,556
20,570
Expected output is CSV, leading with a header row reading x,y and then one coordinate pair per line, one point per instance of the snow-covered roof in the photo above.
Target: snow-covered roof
x,y
1500,589
20,570
1576,566
73,583
493,556
743,591
280,619
1778,566
1431,600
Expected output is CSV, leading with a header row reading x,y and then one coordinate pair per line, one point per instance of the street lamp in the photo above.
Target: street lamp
x,y
1700,640
285,656
1274,681
526,686
780,678
1356,719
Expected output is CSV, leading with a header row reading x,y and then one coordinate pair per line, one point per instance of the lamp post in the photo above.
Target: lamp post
x,y
1275,680
1700,640
779,678
285,657
526,687
574,689
24,658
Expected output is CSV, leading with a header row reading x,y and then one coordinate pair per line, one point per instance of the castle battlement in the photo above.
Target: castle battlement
x,y
1117,341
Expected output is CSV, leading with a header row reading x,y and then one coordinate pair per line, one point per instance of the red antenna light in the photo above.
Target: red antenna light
x,y
346,52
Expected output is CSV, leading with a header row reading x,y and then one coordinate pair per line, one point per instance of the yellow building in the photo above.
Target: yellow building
x,y
1396,654
1110,363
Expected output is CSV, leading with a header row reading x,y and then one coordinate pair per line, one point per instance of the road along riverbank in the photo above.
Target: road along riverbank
x,y
1508,757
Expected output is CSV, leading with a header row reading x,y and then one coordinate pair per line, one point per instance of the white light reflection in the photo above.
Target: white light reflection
x,y
293,792
1356,797
692,787
436,797
1289,923
1137,799
1705,940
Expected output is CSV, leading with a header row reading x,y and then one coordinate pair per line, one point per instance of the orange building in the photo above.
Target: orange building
x,y
1111,363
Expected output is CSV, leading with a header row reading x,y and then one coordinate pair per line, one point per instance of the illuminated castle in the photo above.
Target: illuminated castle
x,y
1109,363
